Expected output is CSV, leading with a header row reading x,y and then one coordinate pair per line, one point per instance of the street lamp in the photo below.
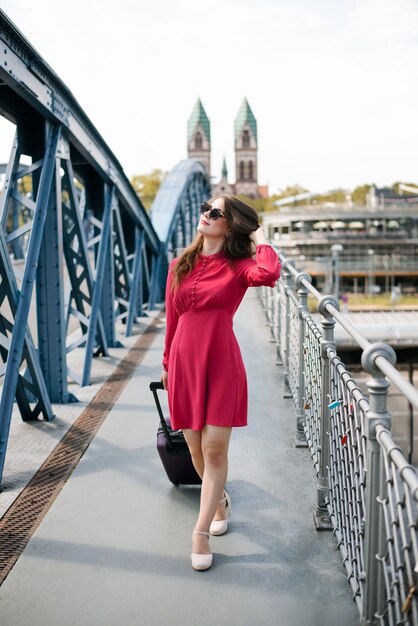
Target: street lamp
x,y
335,250
386,259
371,262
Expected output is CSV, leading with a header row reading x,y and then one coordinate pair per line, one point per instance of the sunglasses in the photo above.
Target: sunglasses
x,y
214,214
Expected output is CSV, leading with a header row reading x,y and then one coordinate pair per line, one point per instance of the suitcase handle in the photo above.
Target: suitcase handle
x,y
154,386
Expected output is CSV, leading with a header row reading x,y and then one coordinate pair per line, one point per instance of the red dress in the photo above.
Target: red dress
x,y
207,382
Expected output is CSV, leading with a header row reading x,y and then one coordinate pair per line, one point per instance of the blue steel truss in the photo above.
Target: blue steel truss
x,y
72,225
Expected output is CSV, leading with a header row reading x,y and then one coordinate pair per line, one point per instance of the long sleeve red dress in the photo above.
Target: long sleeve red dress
x,y
207,382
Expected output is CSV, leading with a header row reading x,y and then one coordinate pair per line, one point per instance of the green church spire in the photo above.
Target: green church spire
x,y
245,115
224,172
198,116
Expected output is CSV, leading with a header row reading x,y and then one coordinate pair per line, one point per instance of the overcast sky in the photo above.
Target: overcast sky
x,y
332,83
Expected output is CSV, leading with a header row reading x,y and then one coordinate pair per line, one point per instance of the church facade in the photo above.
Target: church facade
x,y
246,146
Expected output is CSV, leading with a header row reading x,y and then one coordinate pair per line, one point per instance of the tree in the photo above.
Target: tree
x,y
288,192
291,190
264,205
336,196
396,189
359,194
259,204
147,185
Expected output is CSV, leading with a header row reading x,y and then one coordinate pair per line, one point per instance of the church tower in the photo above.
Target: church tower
x,y
223,186
198,135
246,152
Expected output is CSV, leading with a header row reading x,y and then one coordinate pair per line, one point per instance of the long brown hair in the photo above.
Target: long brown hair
x,y
241,218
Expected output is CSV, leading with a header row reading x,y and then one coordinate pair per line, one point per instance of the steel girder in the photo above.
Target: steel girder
x,y
61,256
76,251
136,299
175,214
32,91
19,333
47,228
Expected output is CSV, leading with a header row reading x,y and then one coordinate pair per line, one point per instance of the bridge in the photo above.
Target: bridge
x,y
90,530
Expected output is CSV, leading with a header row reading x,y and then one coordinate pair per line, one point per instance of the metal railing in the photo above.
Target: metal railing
x,y
347,233
367,492
355,264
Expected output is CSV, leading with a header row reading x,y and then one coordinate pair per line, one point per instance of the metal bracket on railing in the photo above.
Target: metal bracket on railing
x,y
370,355
377,386
323,303
298,280
286,265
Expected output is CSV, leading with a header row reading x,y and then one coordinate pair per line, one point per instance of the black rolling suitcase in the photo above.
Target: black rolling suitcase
x,y
172,448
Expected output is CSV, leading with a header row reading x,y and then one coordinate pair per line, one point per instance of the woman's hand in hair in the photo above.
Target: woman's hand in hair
x,y
258,236
164,379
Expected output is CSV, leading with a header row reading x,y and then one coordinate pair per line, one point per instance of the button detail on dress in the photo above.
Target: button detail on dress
x,y
202,268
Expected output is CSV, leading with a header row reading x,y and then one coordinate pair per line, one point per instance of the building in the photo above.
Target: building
x,y
198,135
245,144
246,152
379,242
223,186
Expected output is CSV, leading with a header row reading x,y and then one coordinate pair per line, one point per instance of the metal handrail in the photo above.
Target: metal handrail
x,y
405,387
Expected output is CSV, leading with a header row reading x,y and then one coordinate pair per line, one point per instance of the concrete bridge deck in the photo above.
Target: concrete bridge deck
x,y
114,548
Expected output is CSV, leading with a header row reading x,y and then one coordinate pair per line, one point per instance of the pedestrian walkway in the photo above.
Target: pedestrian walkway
x,y
114,549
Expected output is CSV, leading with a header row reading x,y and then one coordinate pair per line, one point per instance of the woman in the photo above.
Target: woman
x,y
203,369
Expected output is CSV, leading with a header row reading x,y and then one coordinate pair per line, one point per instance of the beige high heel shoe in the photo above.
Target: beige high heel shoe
x,y
219,527
201,561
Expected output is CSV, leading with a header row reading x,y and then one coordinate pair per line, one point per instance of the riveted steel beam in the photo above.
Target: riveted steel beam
x,y
79,268
98,283
123,284
50,297
17,343
135,302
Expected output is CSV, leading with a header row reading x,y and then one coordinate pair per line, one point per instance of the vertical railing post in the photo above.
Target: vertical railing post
x,y
268,295
321,516
269,305
287,278
276,323
279,331
374,534
260,293
264,301
300,439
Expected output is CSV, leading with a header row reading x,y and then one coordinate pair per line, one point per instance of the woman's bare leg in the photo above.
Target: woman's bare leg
x,y
194,442
214,445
